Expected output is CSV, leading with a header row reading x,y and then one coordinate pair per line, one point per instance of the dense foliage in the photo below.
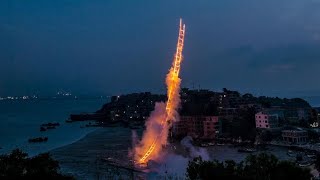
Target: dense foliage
x,y
255,167
17,165
244,125
279,102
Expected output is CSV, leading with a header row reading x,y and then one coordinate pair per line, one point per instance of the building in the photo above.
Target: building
x,y
266,120
131,107
210,127
298,136
198,127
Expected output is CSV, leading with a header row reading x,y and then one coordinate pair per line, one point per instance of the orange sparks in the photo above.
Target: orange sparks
x,y
158,123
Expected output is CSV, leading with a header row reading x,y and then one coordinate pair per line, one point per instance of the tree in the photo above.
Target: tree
x,y
17,165
260,166
255,167
13,165
194,168
288,170
244,125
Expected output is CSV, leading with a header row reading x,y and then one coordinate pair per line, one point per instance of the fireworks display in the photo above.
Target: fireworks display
x,y
160,120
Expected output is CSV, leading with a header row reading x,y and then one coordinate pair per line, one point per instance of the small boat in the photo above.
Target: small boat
x,y
291,153
51,127
42,129
220,144
38,140
69,121
204,145
305,164
311,156
50,124
247,150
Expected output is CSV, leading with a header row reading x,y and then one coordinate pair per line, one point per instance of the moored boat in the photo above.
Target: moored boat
x,y
50,124
38,139
42,129
305,163
220,144
291,153
51,127
247,150
311,155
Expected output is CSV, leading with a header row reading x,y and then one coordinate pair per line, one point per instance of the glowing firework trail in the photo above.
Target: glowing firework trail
x,y
173,84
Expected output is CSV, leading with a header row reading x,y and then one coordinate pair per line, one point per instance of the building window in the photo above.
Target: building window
x,y
266,121
267,125
265,117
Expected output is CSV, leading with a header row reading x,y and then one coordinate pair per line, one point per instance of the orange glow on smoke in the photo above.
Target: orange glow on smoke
x,y
159,122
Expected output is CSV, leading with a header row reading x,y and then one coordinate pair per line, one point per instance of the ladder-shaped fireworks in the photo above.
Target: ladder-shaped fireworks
x,y
173,83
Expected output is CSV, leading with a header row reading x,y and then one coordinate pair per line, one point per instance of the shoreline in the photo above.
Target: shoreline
x,y
34,149
84,158
73,141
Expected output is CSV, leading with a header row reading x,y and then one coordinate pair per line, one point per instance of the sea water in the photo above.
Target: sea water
x,y
21,120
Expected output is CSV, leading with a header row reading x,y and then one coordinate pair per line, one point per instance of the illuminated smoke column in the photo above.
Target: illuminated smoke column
x,y
161,118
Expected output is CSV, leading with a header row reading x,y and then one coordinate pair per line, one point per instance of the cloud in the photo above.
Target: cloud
x,y
286,57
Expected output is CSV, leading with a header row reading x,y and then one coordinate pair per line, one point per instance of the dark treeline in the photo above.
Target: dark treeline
x,y
17,165
255,167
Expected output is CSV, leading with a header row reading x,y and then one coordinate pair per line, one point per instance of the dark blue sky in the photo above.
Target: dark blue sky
x,y
114,46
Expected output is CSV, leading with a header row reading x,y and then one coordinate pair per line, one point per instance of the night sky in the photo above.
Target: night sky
x,y
267,47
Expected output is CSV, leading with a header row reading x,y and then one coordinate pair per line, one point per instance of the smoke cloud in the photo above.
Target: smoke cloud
x,y
194,151
157,126
153,129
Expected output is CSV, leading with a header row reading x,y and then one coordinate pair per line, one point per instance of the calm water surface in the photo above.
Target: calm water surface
x,y
21,120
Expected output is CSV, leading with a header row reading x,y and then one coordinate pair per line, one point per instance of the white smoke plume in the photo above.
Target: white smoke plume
x,y
194,151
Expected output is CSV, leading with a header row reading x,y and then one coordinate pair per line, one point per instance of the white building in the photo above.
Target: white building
x,y
295,136
266,120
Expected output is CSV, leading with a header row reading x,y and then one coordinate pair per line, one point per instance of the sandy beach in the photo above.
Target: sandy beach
x,y
84,158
